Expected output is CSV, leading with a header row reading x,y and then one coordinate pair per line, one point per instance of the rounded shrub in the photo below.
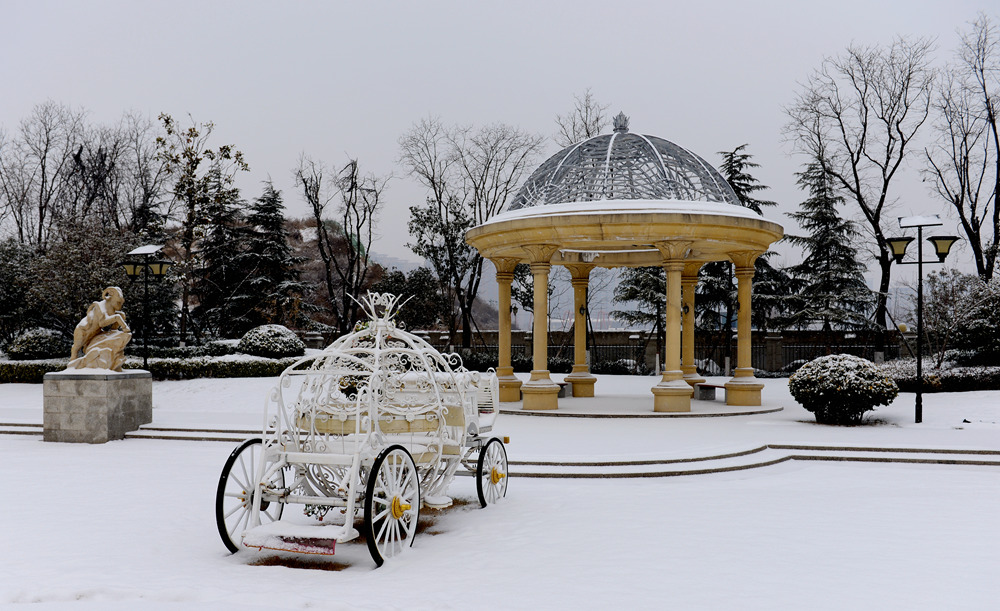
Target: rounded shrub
x,y
39,343
841,388
271,341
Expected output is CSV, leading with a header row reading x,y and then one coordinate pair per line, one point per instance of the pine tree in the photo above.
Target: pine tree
x,y
646,288
716,294
271,268
221,282
834,293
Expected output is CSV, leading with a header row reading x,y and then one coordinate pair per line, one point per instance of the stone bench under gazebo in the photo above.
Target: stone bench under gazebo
x,y
625,200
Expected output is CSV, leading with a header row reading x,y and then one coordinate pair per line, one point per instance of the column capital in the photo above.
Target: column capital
x,y
504,265
691,269
745,272
540,253
673,249
580,273
744,258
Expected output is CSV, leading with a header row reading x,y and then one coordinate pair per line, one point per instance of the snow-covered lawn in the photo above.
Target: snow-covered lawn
x,y
130,524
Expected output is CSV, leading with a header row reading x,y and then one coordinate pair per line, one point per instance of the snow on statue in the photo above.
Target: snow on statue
x,y
96,342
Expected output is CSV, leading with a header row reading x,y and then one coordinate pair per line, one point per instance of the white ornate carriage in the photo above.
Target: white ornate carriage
x,y
374,427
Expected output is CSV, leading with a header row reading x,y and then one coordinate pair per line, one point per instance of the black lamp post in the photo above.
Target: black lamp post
x,y
942,245
139,264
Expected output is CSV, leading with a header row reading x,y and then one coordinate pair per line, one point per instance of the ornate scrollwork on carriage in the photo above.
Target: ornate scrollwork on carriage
x,y
375,425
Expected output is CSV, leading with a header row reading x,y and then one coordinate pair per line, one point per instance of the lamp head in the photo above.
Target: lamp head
x,y
898,247
133,269
942,245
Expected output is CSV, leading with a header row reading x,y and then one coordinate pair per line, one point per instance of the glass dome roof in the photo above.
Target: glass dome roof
x,y
623,165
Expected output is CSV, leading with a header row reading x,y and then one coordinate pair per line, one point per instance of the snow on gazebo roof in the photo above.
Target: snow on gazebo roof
x,y
623,166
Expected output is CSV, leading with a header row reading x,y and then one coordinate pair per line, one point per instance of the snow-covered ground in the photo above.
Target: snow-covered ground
x,y
130,523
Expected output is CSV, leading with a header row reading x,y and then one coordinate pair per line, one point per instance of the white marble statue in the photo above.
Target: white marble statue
x,y
99,339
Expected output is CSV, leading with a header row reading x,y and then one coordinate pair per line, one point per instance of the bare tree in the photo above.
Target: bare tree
x,y
34,169
863,109
344,245
586,120
197,174
470,174
964,163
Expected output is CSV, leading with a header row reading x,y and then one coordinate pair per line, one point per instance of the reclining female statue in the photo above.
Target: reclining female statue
x,y
97,343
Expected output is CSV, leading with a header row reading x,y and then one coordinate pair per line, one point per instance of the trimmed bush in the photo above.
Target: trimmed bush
x,y
39,343
28,372
181,352
617,367
560,364
841,388
205,367
271,341
479,361
949,378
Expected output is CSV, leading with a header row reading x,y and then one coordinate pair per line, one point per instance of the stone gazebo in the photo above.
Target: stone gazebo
x,y
625,200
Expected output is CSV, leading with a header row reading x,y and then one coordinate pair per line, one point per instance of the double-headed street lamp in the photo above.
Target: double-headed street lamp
x,y
140,264
942,245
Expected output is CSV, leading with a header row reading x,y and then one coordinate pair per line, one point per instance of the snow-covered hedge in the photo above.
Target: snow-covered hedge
x,y
841,388
948,378
206,367
39,343
271,341
28,372
238,366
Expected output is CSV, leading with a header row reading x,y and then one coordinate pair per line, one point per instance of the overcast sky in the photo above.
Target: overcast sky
x,y
333,79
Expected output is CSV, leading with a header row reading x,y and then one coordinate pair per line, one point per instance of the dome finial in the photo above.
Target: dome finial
x,y
620,122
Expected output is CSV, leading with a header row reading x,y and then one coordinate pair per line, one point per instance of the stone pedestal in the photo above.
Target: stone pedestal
x,y
672,396
744,388
540,392
95,406
582,380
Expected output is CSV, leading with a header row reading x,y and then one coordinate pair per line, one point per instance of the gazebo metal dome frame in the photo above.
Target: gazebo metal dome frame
x,y
624,200
623,165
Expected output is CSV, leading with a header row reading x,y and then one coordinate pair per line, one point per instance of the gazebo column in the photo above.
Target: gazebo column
x,y
510,386
581,378
673,394
689,282
744,388
540,392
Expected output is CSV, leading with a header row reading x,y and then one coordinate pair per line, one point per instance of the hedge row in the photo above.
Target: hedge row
x,y
28,372
950,379
32,372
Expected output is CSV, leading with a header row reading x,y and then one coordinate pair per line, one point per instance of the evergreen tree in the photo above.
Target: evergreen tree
x,y
425,305
646,288
221,283
834,293
716,300
272,269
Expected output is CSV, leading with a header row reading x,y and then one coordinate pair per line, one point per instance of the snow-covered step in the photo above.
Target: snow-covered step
x,y
299,538
186,434
18,428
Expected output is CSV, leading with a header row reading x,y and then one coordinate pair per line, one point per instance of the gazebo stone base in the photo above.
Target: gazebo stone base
x,y
540,394
82,407
743,391
510,386
693,378
583,383
674,396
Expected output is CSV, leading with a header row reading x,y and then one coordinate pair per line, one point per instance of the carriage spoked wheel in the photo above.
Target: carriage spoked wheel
x,y
234,496
491,472
392,503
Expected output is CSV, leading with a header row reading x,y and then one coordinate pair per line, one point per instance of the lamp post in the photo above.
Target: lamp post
x,y
942,245
139,264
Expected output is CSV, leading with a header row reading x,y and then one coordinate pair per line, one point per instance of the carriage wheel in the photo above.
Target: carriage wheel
x,y
234,496
491,473
392,503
